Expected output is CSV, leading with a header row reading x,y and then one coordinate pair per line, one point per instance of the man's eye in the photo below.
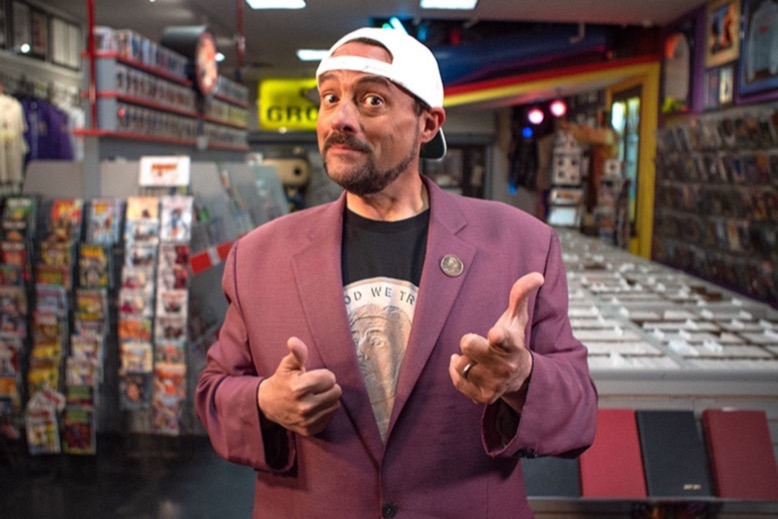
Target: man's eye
x,y
328,98
373,101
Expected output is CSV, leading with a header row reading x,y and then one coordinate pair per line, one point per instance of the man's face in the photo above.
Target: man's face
x,y
368,130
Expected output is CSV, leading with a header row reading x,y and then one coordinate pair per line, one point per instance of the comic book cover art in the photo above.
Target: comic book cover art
x,y
15,253
169,352
173,278
42,431
104,220
94,265
10,346
11,275
88,347
172,303
142,208
135,357
135,391
66,219
140,255
171,254
50,275
130,329
91,304
167,412
176,218
141,231
138,278
79,430
13,310
51,298
9,391
56,253
80,372
47,326
19,218
135,303
42,373
170,328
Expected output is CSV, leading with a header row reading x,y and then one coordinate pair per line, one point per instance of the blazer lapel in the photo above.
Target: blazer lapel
x,y
320,284
438,291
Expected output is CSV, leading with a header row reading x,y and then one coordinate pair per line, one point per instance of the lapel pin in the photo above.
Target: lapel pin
x,y
451,265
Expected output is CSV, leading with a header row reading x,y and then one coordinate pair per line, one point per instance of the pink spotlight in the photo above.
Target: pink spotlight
x,y
535,116
558,108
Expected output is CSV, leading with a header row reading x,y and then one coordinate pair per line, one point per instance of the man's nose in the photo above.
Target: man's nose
x,y
345,117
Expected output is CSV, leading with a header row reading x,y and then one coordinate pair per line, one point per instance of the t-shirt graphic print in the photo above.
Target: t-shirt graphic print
x,y
380,312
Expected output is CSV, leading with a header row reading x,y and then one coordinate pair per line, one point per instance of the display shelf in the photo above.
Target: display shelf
x,y
227,99
162,73
148,104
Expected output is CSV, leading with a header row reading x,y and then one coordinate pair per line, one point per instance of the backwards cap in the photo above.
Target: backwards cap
x,y
413,67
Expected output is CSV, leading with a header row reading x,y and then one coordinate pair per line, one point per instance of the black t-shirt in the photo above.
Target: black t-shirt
x,y
373,248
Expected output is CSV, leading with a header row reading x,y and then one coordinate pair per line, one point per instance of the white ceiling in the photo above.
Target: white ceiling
x,y
273,36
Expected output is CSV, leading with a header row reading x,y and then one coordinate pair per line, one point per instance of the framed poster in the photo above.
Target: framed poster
x,y
711,100
726,84
3,25
21,27
39,33
722,25
676,68
75,46
759,59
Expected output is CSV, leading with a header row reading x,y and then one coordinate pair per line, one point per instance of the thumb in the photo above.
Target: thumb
x,y
298,355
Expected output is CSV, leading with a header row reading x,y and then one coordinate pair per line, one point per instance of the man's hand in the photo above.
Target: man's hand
x,y
500,363
301,401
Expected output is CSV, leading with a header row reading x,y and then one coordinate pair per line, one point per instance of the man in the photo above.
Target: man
x,y
295,388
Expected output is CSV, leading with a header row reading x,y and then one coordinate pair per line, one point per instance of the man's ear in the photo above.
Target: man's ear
x,y
432,120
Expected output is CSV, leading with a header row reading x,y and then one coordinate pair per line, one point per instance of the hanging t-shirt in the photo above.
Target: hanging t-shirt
x,y
12,144
382,264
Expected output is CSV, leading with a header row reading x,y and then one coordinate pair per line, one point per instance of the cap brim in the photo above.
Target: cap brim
x,y
436,148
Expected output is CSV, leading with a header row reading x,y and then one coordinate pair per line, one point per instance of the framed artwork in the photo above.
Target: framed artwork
x,y
3,25
677,59
722,25
59,41
711,100
39,33
726,84
759,59
21,27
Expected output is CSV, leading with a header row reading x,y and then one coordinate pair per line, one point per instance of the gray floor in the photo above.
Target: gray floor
x,y
136,477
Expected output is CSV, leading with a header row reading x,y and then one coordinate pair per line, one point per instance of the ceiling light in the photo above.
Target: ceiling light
x,y
448,4
558,108
535,116
276,4
311,54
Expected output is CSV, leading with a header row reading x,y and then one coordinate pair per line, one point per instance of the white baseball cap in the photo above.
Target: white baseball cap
x,y
413,67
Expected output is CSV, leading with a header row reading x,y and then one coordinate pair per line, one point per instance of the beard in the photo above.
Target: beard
x,y
364,178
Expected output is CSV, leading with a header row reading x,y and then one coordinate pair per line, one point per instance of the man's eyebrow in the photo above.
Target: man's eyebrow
x,y
326,76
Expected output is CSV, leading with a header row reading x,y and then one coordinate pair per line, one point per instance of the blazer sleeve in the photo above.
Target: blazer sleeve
x,y
226,394
560,412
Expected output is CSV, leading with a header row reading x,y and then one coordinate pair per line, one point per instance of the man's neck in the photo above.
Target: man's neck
x,y
404,199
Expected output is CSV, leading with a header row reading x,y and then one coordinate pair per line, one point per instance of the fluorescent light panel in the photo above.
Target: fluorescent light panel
x,y
448,4
311,54
276,4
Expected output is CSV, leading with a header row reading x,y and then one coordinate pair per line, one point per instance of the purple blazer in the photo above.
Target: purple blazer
x,y
442,456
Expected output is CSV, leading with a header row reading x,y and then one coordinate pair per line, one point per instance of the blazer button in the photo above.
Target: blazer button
x,y
389,510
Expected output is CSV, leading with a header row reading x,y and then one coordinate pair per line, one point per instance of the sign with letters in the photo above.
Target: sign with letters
x,y
287,104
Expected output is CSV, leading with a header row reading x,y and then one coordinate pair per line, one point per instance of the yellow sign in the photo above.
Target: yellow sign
x,y
284,104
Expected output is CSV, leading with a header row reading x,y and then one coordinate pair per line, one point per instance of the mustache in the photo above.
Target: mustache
x,y
347,140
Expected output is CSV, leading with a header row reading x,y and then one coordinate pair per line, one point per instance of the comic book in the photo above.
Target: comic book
x,y
19,218
88,347
142,208
141,231
13,310
42,373
166,414
50,275
105,216
48,326
135,357
66,219
176,218
171,254
134,303
138,278
172,278
172,303
11,275
42,431
9,392
10,348
170,328
16,253
130,329
140,255
57,253
135,391
81,382
94,265
169,352
79,430
51,298
91,304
